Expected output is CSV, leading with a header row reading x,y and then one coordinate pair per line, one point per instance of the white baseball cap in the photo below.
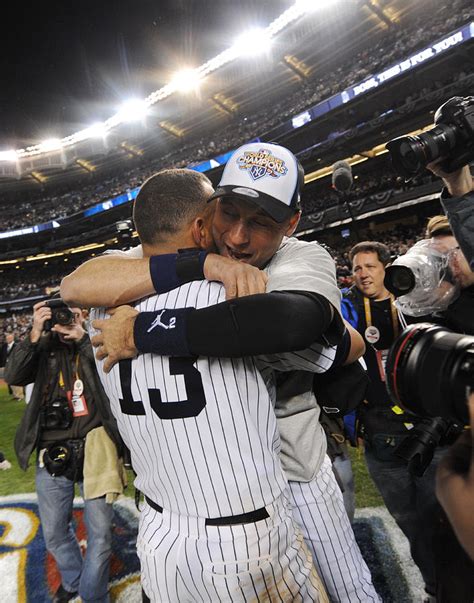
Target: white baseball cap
x,y
268,175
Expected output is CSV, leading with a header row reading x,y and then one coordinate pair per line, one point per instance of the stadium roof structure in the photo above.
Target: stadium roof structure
x,y
312,42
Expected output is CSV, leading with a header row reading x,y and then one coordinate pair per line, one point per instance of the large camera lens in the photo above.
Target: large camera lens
x,y
63,316
430,371
411,154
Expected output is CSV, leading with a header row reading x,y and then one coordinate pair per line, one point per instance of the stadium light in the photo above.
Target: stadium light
x,y
186,80
8,156
97,130
311,6
132,110
252,42
51,144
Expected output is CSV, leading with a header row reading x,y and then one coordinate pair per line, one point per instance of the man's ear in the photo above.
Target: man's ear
x,y
294,221
202,233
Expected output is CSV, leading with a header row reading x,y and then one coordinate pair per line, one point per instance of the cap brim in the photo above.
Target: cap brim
x,y
273,207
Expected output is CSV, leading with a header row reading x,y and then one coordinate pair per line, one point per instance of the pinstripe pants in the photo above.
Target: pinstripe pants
x,y
318,507
183,560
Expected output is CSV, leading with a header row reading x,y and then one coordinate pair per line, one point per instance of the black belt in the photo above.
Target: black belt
x,y
231,520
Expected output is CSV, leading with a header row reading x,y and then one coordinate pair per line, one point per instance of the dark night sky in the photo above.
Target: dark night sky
x,y
66,64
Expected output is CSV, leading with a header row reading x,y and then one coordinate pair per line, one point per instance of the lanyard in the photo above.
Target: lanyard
x,y
378,354
76,373
394,314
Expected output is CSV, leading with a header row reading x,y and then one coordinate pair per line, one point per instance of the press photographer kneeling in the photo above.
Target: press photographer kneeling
x,y
69,424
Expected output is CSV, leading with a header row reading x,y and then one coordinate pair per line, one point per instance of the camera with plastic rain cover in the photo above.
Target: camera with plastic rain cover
x,y
423,280
452,137
430,372
61,314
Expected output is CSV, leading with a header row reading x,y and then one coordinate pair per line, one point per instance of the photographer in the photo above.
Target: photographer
x,y
68,404
409,498
440,290
459,317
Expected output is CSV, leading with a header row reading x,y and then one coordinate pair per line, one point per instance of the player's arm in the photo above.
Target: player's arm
x,y
249,326
108,280
357,344
113,280
318,357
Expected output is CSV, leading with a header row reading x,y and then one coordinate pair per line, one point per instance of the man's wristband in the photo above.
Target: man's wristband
x,y
172,270
163,332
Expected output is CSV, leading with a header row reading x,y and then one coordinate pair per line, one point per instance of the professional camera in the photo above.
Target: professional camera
x,y
56,458
56,415
61,314
418,448
430,372
422,280
452,137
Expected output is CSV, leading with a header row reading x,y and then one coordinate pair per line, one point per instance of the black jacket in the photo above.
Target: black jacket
x,y
460,212
4,353
27,363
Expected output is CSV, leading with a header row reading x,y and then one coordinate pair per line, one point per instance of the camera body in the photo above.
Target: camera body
x,y
65,458
56,415
61,314
452,137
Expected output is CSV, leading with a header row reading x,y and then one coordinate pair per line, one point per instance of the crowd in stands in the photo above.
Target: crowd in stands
x,y
22,210
380,179
17,322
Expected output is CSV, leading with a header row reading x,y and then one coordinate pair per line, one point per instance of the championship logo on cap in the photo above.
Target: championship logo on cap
x,y
262,163
265,174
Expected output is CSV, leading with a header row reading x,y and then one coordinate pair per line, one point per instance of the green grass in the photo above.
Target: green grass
x,y
366,494
15,481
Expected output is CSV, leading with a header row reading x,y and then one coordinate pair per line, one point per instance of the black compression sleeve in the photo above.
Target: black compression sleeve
x,y
259,324
269,323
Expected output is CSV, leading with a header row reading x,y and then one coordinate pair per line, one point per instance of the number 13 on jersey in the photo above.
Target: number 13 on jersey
x,y
165,409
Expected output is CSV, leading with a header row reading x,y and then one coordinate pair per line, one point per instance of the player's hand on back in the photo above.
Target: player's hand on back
x,y
115,341
239,279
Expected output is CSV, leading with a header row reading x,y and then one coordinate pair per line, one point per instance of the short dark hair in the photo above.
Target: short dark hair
x,y
167,201
382,251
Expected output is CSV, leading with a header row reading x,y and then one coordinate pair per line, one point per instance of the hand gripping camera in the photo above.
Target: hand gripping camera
x,y
452,137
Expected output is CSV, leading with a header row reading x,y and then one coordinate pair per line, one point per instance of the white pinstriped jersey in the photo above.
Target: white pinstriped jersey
x,y
297,266
224,461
